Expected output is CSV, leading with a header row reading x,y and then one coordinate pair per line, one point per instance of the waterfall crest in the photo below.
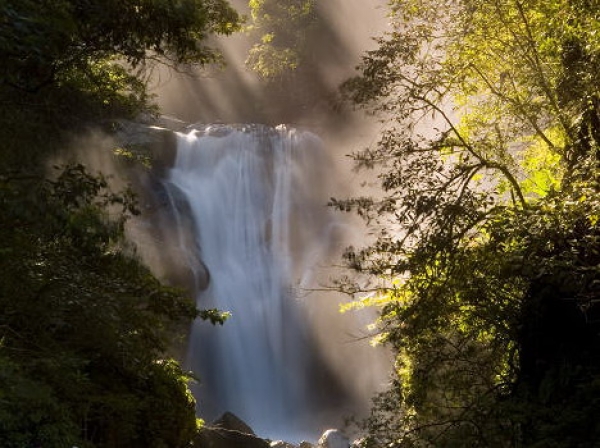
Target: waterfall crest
x,y
261,228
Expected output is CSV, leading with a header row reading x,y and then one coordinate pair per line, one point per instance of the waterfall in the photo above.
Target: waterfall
x,y
257,198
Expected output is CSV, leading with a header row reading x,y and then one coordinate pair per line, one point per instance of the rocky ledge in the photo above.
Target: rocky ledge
x,y
229,431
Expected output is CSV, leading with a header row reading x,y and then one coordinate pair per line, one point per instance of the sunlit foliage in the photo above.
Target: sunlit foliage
x,y
486,226
281,28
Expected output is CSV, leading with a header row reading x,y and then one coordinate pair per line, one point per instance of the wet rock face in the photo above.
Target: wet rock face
x,y
153,144
164,232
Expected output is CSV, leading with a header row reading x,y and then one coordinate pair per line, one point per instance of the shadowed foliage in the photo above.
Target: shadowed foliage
x,y
85,328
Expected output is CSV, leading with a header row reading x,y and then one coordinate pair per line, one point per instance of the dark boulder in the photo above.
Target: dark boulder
x,y
229,431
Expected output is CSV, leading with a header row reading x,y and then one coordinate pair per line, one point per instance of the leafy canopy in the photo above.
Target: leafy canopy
x,y
85,328
282,28
42,41
486,225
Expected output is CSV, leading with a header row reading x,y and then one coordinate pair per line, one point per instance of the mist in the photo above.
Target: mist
x,y
234,94
309,100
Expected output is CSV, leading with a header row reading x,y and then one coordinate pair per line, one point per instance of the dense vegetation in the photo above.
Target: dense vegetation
x,y
485,265
485,262
281,29
84,327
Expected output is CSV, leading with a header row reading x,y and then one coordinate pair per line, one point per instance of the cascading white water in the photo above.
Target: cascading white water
x,y
256,198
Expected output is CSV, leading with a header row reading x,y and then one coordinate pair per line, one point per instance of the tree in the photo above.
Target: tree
x,y
83,323
68,63
486,228
43,42
282,29
84,327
